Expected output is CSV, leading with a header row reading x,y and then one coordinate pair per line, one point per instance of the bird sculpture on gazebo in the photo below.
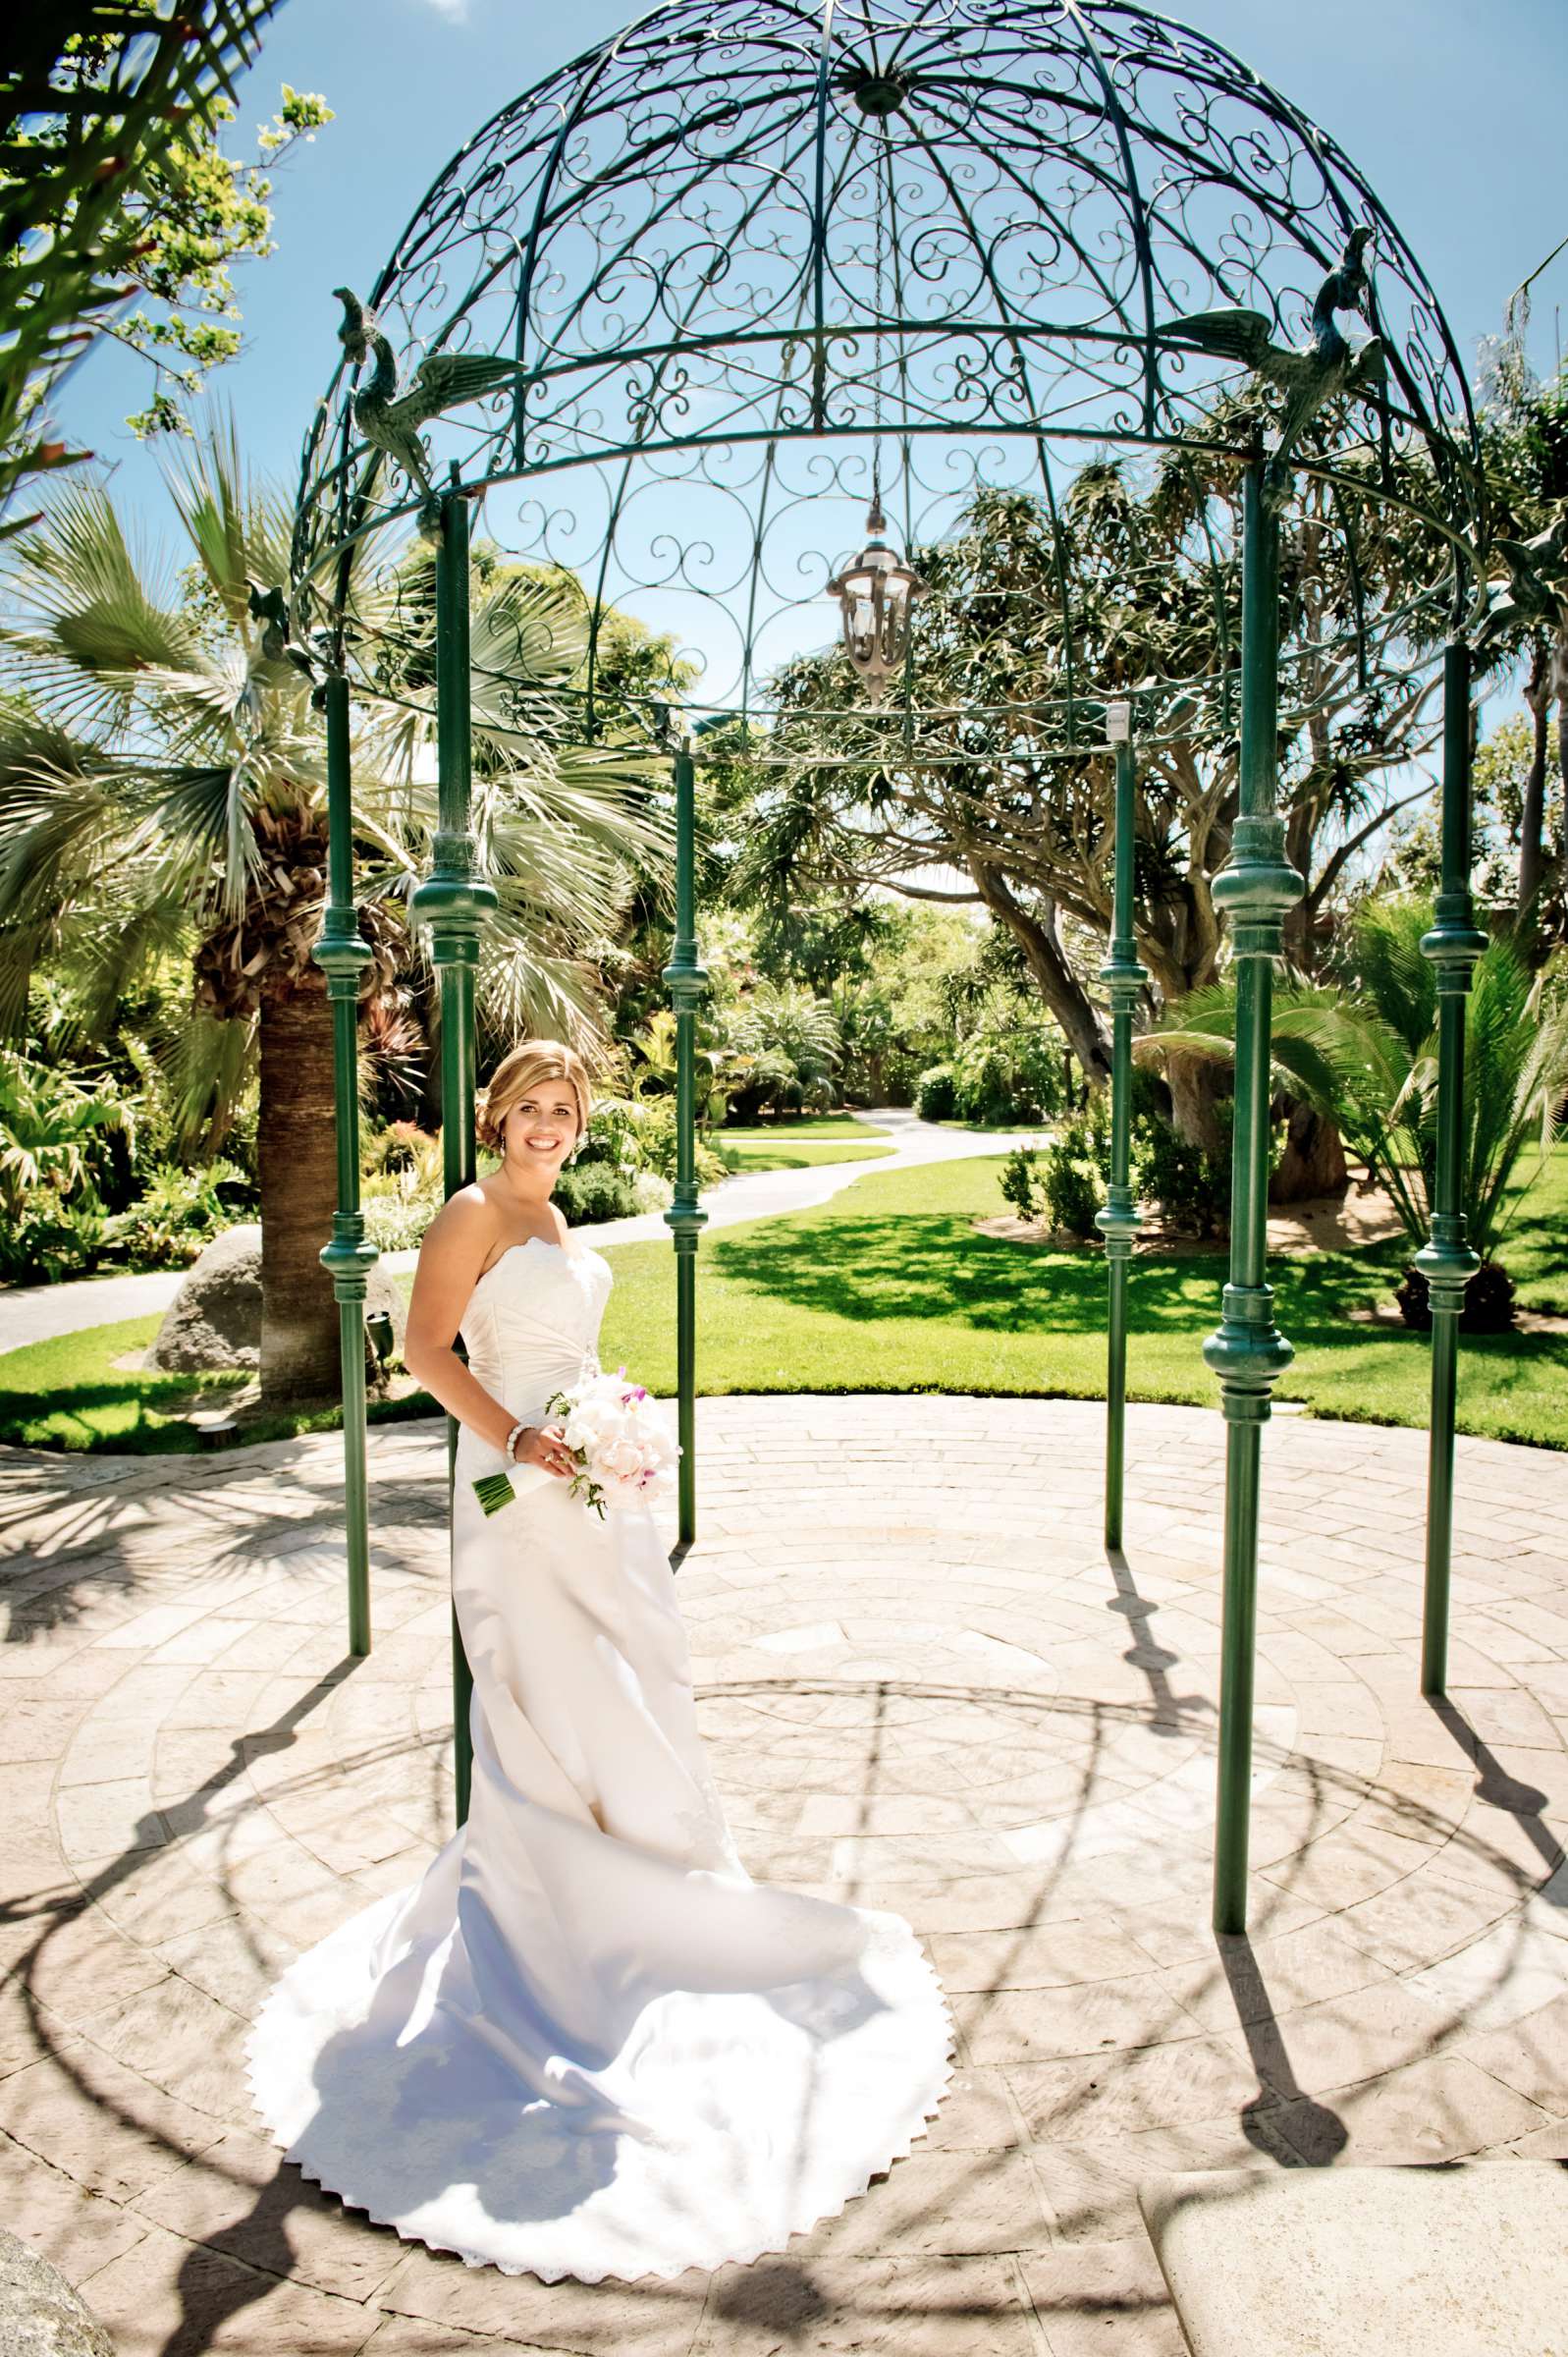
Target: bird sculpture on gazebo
x,y
270,607
1530,592
1329,366
389,418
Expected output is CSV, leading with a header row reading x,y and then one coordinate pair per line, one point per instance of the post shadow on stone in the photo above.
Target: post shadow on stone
x,y
1496,1788
1144,1653
1282,2121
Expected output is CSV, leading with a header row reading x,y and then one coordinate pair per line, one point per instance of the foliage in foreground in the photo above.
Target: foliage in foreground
x,y
113,184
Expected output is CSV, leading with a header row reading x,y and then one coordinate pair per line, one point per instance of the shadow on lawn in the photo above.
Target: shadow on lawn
x,y
941,1267
153,1408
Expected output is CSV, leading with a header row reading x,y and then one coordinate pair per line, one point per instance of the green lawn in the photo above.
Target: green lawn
x,y
803,1141
889,1288
69,1393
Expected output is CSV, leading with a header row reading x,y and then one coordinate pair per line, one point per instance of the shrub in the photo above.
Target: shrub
x,y
1013,1073
1488,1301
1023,1182
595,1190
403,1185
1074,1172
935,1097
52,1240
397,1218
176,1213
403,1146
1191,1188
638,1135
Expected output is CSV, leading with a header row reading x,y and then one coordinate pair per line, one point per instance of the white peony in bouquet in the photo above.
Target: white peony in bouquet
x,y
624,1452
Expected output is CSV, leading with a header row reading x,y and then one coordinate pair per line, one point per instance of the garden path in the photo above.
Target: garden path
x,y
926,1686
36,1313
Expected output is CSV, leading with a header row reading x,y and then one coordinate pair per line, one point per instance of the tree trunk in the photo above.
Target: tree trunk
x,y
1197,1085
297,1160
1313,1163
1532,855
1059,986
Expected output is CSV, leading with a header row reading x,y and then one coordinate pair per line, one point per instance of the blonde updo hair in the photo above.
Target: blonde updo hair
x,y
519,1074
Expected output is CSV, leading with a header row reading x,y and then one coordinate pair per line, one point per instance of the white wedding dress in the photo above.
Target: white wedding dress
x,y
585,2043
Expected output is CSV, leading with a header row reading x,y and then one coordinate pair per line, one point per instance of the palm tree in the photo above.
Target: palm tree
x,y
162,787
1363,1052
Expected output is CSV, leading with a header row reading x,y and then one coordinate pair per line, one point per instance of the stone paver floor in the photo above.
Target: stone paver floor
x,y
925,1687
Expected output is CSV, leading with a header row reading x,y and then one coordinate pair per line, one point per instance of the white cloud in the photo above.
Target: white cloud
x,y
453,11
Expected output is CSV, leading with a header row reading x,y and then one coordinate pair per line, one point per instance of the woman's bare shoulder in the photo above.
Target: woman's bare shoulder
x,y
465,1221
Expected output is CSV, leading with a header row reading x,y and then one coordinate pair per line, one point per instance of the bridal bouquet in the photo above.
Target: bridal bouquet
x,y
624,1450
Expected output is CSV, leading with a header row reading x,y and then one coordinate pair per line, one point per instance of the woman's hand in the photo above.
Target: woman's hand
x,y
546,1445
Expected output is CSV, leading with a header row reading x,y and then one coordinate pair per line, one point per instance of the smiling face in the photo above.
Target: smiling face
x,y
541,1128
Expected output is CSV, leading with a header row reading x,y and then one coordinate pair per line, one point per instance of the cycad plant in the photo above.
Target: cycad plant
x,y
781,1048
162,789
1363,1051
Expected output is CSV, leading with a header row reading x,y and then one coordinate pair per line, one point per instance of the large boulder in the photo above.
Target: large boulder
x,y
40,2313
213,1324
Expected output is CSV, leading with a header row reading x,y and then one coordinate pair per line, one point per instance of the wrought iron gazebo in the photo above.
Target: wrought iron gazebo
x,y
683,310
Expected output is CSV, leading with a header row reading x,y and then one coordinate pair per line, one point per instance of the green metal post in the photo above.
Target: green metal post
x,y
685,1217
1247,1352
348,1258
454,902
1119,1222
1447,1260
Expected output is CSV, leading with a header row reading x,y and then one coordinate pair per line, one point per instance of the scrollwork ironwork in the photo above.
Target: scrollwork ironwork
x,y
706,259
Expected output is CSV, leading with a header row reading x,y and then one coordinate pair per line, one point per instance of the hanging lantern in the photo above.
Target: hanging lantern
x,y
875,594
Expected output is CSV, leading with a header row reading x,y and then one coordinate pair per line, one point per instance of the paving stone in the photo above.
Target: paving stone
x,y
1091,2190
409,2337
77,2230
1017,2026
1385,2258
979,1713
181,2041
931,2204
103,2125
1152,2087
1053,1956
1442,2109
242,2197
588,2320
1263,1979
1099,2301
890,2307
170,2292
1529,2055
80,1963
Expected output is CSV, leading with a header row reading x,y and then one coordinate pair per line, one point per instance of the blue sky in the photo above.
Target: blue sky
x,y
1454,111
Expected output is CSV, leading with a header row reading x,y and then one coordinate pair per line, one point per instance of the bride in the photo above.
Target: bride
x,y
585,2043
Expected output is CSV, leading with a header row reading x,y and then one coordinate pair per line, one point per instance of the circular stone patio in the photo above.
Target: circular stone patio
x,y
926,1687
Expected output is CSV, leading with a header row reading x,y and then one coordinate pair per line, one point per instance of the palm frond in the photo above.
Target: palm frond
x,y
237,530
210,1066
87,619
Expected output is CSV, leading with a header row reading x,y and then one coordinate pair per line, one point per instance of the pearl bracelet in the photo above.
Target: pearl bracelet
x,y
512,1438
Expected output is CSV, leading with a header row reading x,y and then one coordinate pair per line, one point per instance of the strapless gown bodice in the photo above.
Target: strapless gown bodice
x,y
585,2042
531,1327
